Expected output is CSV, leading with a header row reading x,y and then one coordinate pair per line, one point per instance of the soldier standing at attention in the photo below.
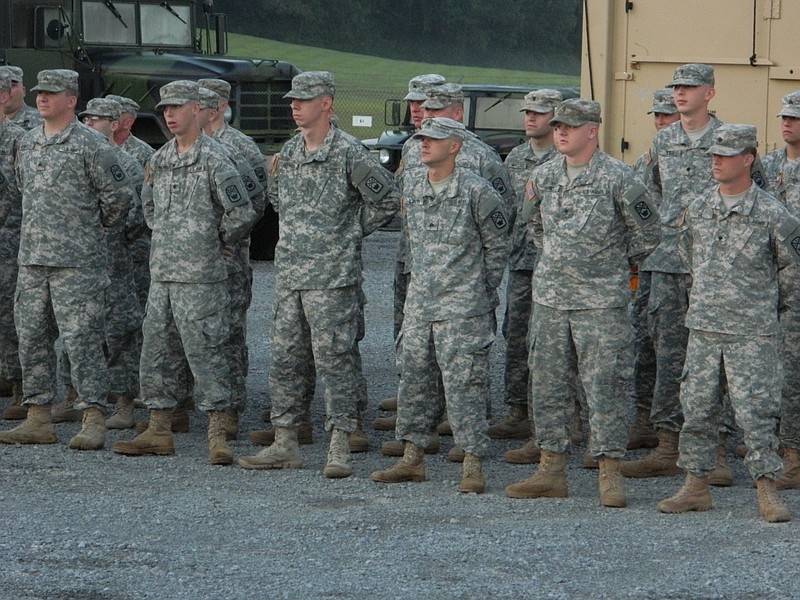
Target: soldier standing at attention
x,y
642,434
737,240
329,192
783,171
10,221
141,151
538,149
197,209
123,311
591,217
72,188
459,242
16,110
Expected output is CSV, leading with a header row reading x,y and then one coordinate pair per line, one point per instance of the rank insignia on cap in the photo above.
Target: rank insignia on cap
x,y
373,184
232,192
643,210
117,173
499,219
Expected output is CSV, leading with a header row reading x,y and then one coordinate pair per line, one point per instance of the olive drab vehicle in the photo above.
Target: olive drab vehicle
x,y
133,47
632,47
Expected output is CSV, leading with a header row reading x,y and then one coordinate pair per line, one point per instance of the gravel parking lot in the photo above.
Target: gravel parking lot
x,y
96,525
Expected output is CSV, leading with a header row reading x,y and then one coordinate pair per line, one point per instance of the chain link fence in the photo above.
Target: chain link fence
x,y
361,112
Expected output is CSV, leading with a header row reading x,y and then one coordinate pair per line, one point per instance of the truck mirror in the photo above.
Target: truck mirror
x,y
51,27
393,112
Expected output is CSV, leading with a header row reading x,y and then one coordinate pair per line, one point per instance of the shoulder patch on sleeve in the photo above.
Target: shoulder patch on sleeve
x,y
499,219
373,181
230,188
638,203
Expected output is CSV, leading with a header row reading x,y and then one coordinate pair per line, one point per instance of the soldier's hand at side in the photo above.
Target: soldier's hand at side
x,y
227,252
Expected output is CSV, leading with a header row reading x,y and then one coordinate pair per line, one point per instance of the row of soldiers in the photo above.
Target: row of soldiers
x,y
573,220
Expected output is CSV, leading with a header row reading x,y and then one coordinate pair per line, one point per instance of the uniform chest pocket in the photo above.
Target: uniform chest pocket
x,y
57,166
196,183
749,245
582,219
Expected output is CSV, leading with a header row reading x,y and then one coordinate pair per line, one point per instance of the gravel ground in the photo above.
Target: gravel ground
x,y
96,525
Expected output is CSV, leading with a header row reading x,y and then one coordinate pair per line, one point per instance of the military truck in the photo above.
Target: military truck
x,y
133,47
490,111
631,48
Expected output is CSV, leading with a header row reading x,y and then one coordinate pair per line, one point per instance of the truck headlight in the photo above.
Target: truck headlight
x,y
384,156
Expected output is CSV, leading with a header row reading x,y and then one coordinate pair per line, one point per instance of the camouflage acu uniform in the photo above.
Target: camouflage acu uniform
x,y
140,246
738,259
784,174
195,203
587,231
323,199
240,278
26,117
72,187
10,221
520,162
459,243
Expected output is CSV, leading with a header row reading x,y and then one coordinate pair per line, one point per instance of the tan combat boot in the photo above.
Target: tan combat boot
x,y
692,495
219,453
389,404
770,505
385,423
266,437
358,441
15,411
612,490
472,479
456,454
122,417
790,479
397,447
642,434
516,426
65,410
92,435
178,418
721,476
528,454
408,468
284,453
338,464
548,481
230,423
37,428
156,439
661,462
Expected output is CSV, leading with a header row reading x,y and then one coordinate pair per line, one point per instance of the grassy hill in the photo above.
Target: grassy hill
x,y
359,71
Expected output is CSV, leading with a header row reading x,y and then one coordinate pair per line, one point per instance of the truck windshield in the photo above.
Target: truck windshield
x,y
117,23
497,112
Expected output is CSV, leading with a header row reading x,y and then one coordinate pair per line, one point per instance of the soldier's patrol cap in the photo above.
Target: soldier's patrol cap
x,y
5,80
663,103
127,105
576,112
15,73
692,75
542,101
732,139
56,80
219,86
791,105
440,128
442,96
178,93
102,107
418,86
311,84
208,98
